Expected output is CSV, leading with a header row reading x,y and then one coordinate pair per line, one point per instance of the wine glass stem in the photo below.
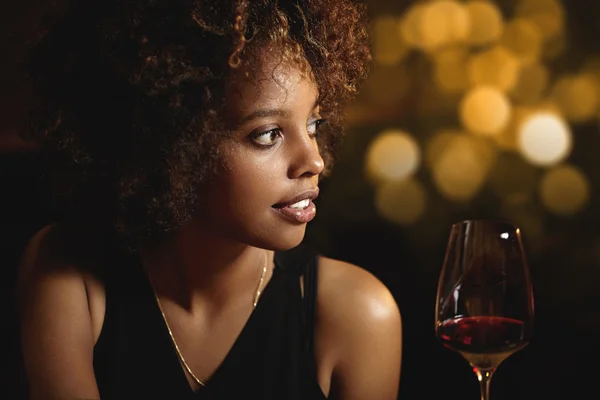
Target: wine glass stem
x,y
485,377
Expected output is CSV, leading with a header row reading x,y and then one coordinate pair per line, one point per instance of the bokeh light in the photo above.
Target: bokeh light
x,y
392,156
485,110
487,23
410,25
496,67
531,84
402,202
564,190
508,138
462,167
544,139
437,144
523,38
548,15
450,72
576,96
388,46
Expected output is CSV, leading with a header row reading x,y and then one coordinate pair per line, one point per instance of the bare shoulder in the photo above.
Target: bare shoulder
x,y
361,293
55,300
360,325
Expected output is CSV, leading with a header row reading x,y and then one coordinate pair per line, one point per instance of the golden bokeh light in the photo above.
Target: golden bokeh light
x,y
496,67
576,96
433,25
487,23
410,25
531,84
591,68
507,139
401,202
437,144
548,15
388,46
544,139
485,110
462,168
449,70
523,38
392,156
564,190
443,22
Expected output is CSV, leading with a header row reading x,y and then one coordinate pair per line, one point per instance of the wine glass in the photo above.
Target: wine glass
x,y
484,307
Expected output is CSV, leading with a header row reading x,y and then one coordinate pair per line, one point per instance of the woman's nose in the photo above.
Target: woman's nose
x,y
307,160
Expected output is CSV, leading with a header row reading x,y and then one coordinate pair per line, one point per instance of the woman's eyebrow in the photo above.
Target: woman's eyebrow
x,y
271,112
266,112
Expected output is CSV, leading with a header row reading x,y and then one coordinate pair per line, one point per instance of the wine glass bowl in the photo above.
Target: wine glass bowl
x,y
484,307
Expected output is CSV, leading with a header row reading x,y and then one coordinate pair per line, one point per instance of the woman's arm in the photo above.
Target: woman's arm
x,y
56,328
361,322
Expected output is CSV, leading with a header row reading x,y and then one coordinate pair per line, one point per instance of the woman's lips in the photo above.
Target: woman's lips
x,y
300,213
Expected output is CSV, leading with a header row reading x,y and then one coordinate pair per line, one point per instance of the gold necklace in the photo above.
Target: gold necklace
x,y
177,350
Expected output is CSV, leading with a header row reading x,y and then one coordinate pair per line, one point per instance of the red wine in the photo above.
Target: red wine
x,y
484,341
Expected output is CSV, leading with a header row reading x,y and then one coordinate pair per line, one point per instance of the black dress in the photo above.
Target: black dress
x,y
272,358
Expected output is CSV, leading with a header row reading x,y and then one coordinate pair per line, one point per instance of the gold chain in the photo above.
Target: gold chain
x,y
179,354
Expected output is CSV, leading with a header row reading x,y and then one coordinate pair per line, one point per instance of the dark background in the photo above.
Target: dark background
x,y
560,363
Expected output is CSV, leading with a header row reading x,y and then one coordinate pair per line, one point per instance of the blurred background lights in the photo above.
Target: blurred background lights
x,y
480,86
507,139
485,110
402,202
433,25
409,28
531,83
523,38
487,23
576,96
449,71
496,67
544,139
462,167
388,46
564,190
392,156
437,144
442,22
547,15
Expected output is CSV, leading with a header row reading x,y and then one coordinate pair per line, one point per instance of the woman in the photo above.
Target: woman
x,y
190,137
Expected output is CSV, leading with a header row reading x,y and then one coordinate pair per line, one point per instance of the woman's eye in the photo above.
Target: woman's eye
x,y
313,127
266,138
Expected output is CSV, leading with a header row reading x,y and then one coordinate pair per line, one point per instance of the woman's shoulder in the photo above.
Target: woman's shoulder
x,y
57,315
359,324
62,261
341,282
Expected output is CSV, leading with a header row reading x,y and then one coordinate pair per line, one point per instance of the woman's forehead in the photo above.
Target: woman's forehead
x,y
271,81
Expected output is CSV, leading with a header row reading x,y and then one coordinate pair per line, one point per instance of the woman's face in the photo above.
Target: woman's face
x,y
263,195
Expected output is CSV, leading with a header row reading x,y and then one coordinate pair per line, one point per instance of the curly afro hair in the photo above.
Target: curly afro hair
x,y
130,95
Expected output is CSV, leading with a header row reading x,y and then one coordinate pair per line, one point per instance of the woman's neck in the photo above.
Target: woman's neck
x,y
197,270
